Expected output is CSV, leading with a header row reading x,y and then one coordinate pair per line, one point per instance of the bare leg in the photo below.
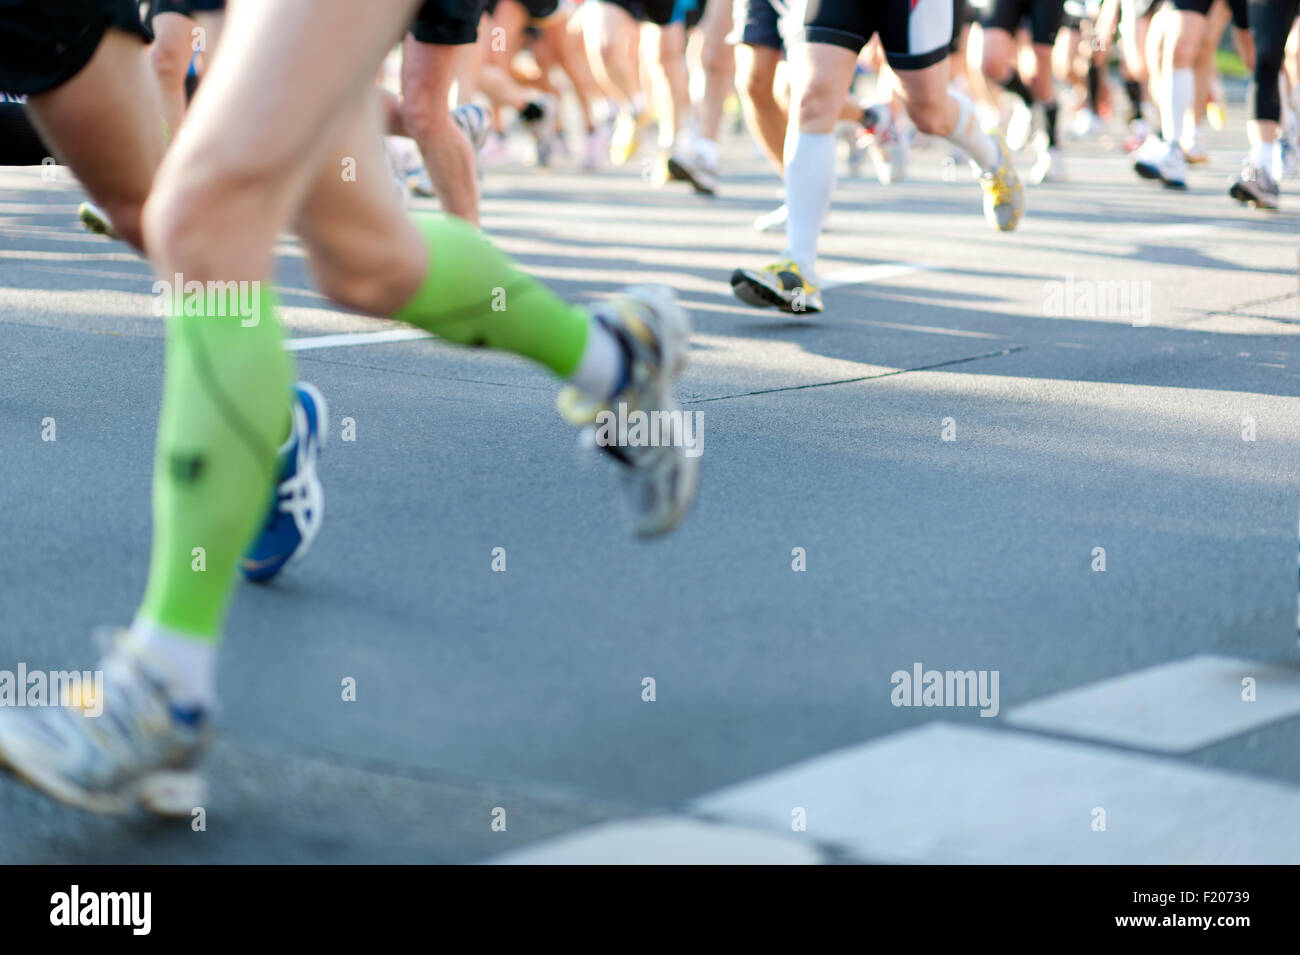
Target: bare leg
x,y
428,71
170,57
106,123
765,116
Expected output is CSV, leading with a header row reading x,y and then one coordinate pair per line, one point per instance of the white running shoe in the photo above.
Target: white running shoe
x,y
1020,127
1255,186
773,221
660,478
1165,163
133,747
1049,166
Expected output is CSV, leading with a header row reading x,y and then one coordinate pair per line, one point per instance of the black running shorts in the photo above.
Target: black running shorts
x,y
186,8
44,43
1044,18
448,22
658,12
1240,18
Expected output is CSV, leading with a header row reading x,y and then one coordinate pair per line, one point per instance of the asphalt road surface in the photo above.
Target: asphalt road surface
x,y
1064,458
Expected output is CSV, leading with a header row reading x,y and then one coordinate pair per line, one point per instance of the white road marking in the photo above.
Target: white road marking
x,y
956,794
666,840
856,276
874,273
1175,707
355,338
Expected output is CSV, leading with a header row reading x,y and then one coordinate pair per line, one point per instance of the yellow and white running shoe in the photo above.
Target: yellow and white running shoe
x,y
779,285
1004,197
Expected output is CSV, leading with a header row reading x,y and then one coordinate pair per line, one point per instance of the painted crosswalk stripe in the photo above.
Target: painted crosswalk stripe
x,y
666,840
955,794
1174,707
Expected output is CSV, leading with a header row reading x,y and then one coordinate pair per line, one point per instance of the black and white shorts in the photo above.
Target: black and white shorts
x,y
914,33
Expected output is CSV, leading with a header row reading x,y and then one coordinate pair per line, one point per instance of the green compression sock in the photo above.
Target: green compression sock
x,y
473,295
224,415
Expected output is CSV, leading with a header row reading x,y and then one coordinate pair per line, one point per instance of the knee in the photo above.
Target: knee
x,y
172,225
169,61
217,187
424,115
1186,51
351,288
372,287
757,87
818,103
609,50
719,59
931,116
996,58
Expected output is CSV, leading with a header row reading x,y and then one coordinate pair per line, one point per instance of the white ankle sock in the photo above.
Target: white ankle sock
x,y
1262,155
602,366
187,664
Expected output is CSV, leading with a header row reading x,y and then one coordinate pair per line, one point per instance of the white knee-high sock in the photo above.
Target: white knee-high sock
x,y
970,138
809,184
1175,101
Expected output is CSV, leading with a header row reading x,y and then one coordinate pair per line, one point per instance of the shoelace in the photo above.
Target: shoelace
x,y
300,497
997,186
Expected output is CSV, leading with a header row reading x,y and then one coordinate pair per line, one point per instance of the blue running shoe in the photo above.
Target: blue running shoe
x,y
299,505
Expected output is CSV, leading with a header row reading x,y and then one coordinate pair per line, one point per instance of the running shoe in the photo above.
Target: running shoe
x,y
1020,127
626,140
1004,197
1255,186
131,747
295,514
773,221
1049,167
888,150
596,147
856,154
1193,149
473,122
779,285
95,220
687,165
1164,162
542,127
1138,134
1086,123
660,480
420,184
496,149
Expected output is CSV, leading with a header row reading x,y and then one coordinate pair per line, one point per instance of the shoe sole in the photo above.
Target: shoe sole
x,y
677,171
753,292
169,793
1244,196
674,333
